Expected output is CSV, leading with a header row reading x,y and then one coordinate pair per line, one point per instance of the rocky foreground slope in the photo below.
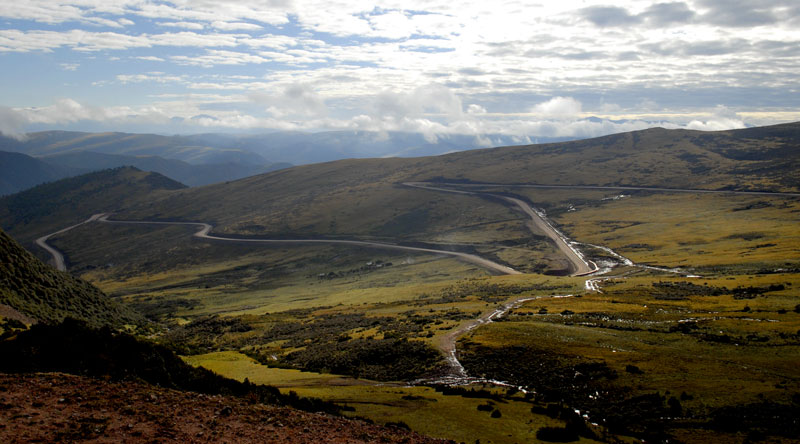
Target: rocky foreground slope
x,y
56,407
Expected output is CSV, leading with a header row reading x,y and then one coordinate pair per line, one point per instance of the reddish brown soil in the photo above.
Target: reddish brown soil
x,y
54,407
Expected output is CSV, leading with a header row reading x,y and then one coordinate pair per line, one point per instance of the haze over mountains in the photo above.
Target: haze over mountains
x,y
208,158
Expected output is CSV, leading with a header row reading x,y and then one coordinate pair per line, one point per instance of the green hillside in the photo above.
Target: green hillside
x,y
42,293
49,207
366,197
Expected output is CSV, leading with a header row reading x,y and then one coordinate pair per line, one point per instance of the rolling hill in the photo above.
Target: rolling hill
x,y
365,196
189,174
49,207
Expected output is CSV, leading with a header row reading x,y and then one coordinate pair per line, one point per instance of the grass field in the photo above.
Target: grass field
x,y
423,409
651,346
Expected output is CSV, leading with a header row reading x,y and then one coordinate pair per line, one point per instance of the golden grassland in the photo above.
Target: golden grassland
x,y
691,230
423,409
731,241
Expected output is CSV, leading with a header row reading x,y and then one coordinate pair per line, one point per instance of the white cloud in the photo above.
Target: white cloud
x,y
558,107
150,58
234,26
475,109
12,123
433,66
184,25
721,119
295,100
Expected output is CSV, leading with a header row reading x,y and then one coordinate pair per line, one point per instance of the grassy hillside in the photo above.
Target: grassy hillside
x,y
364,197
42,293
765,158
48,207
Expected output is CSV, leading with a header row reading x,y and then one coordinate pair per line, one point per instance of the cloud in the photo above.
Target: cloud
x,y
184,25
295,100
605,16
150,58
743,13
12,123
558,107
721,119
432,99
429,66
235,26
475,109
664,14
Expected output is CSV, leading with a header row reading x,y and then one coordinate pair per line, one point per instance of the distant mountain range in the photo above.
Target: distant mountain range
x,y
282,147
305,148
208,158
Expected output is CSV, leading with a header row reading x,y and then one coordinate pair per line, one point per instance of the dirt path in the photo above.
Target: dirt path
x,y
447,344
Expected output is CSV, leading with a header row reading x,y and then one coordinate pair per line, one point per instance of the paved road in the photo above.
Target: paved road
x,y
58,258
612,188
205,229
579,265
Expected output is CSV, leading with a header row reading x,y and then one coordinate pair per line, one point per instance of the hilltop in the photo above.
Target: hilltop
x,y
51,206
178,170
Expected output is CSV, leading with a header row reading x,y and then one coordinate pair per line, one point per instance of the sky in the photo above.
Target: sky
x,y
566,68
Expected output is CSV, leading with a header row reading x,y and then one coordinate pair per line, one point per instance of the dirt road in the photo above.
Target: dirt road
x,y
447,344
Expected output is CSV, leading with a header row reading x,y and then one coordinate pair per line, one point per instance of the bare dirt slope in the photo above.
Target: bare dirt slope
x,y
55,407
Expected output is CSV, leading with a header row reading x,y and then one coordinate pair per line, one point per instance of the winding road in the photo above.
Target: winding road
x,y
579,265
58,258
447,345
205,229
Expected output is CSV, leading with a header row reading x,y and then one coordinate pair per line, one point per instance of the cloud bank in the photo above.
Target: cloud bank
x,y
434,67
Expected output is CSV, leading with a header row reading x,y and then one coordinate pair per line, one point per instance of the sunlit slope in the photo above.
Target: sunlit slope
x,y
765,158
366,196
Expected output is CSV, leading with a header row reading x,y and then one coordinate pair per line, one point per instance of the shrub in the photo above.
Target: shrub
x,y
556,434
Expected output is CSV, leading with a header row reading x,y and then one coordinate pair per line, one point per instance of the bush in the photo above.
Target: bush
x,y
74,347
485,408
556,434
